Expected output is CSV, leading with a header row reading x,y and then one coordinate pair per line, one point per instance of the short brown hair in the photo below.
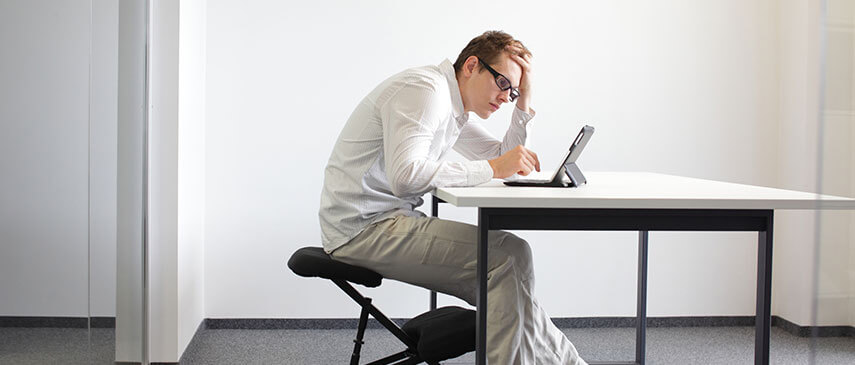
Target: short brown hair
x,y
488,47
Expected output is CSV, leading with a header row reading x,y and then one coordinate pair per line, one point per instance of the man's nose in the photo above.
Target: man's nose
x,y
504,96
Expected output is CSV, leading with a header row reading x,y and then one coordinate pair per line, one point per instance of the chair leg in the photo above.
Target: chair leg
x,y
407,355
410,355
360,332
380,317
411,361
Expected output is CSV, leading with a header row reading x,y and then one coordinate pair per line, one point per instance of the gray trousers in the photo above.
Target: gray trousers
x,y
441,255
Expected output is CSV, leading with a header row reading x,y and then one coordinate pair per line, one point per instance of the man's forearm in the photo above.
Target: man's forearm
x,y
524,102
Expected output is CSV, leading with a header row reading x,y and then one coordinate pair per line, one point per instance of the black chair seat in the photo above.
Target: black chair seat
x,y
443,333
314,262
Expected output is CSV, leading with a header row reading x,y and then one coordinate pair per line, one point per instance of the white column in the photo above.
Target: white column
x,y
176,176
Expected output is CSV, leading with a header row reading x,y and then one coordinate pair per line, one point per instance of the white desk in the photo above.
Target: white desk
x,y
640,202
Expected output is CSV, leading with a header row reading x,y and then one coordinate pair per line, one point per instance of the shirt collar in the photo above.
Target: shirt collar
x,y
456,100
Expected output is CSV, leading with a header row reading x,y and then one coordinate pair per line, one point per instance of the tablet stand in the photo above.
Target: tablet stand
x,y
573,172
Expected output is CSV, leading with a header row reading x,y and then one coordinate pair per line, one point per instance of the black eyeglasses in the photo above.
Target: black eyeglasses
x,y
501,81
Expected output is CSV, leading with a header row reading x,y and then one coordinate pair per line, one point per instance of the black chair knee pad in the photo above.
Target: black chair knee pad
x,y
314,262
443,333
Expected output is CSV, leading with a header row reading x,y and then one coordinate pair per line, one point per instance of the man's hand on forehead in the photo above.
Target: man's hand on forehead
x,y
517,54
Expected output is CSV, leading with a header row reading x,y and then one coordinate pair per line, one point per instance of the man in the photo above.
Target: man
x,y
390,153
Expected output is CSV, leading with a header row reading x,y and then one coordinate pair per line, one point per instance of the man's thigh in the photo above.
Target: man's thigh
x,y
430,252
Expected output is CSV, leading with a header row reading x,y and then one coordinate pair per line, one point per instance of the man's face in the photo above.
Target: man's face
x,y
485,96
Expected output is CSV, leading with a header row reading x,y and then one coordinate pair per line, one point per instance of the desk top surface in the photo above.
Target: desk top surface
x,y
640,190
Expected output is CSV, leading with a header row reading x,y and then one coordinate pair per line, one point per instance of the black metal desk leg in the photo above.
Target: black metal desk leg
x,y
763,320
641,309
434,212
481,300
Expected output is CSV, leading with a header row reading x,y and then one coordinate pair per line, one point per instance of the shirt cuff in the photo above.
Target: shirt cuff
x,y
521,118
478,172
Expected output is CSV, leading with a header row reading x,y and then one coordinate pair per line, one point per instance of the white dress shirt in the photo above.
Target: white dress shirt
x,y
391,151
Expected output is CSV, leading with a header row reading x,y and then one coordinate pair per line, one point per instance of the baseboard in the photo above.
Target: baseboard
x,y
351,323
584,322
293,323
619,322
103,322
58,322
812,331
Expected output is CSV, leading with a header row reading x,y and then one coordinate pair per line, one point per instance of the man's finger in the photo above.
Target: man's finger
x,y
530,160
532,157
525,65
527,164
535,165
524,59
536,160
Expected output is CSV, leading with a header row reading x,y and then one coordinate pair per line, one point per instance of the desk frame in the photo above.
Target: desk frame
x,y
643,221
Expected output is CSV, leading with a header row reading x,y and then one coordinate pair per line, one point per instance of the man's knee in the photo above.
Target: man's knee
x,y
518,251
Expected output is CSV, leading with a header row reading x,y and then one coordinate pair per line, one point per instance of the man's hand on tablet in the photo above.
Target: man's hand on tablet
x,y
520,160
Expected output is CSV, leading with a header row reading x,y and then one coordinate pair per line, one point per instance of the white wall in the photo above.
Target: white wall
x,y
103,156
282,80
191,169
814,285
836,272
44,158
62,174
793,257
59,158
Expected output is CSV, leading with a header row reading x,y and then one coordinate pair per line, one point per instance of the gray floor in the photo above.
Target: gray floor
x,y
698,345
56,346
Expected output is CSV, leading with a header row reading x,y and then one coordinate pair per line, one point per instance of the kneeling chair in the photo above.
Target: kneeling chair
x,y
430,337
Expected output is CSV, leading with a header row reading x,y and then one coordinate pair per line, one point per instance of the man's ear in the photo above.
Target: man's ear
x,y
469,66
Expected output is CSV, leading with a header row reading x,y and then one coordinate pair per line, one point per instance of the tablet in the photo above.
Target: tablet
x,y
567,167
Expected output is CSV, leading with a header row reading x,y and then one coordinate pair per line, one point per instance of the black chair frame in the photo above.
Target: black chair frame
x,y
409,356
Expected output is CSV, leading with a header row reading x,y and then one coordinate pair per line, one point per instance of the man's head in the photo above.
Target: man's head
x,y
484,68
